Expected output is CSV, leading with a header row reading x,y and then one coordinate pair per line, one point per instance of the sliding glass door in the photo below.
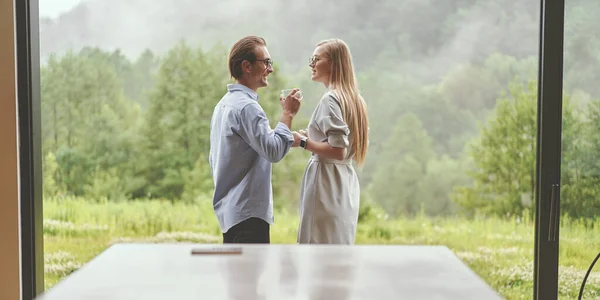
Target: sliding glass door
x,y
579,205
479,68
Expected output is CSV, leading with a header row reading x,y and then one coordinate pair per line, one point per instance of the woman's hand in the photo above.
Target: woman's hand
x,y
297,138
298,135
303,132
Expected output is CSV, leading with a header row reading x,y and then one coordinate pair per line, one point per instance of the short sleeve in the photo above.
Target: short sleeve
x,y
331,122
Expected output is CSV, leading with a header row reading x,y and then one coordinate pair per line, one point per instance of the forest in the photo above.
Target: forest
x,y
128,89
451,90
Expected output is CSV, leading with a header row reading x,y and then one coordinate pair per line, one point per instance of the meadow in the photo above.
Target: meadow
x,y
499,250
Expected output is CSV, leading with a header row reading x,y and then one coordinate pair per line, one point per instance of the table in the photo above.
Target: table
x,y
316,272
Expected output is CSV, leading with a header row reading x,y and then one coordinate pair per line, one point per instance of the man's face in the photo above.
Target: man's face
x,y
261,68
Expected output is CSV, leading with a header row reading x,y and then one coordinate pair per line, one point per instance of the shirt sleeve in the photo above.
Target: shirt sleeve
x,y
332,123
254,128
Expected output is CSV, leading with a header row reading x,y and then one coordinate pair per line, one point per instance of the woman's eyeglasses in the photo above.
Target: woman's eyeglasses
x,y
313,60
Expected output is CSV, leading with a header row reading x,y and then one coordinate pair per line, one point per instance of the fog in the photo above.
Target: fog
x,y
54,8
415,36
451,92
431,71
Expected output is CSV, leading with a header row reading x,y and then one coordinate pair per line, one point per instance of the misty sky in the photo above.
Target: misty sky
x,y
53,8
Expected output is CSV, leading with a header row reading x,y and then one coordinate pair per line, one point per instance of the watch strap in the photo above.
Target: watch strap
x,y
303,142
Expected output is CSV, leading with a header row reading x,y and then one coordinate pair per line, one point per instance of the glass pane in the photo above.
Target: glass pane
x,y
580,171
128,91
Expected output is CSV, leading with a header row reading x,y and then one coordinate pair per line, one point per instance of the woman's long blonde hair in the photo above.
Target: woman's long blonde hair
x,y
342,82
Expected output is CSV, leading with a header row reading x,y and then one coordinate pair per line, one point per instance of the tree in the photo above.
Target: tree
x,y
580,169
401,167
470,87
86,119
504,155
443,174
582,42
176,131
143,77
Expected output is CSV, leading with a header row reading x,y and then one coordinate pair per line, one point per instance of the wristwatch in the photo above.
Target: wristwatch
x,y
303,142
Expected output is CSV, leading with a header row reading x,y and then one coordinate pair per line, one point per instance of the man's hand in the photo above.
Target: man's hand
x,y
291,103
297,138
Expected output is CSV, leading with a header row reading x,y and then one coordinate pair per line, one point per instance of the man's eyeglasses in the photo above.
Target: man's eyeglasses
x,y
267,61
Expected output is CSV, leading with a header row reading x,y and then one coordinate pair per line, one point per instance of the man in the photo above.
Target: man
x,y
243,146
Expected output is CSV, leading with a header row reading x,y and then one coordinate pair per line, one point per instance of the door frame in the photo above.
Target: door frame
x,y
548,158
30,147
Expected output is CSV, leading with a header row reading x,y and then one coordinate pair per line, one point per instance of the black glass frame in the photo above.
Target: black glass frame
x,y
30,147
550,85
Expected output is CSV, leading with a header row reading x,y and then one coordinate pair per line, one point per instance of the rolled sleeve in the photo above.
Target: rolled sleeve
x,y
333,125
271,144
285,132
338,140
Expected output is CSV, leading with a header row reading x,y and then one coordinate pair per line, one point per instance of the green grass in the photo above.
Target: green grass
x,y
499,251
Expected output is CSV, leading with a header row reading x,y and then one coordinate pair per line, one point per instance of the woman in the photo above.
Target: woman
x,y
336,135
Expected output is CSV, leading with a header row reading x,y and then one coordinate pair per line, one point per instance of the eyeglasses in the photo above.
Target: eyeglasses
x,y
267,61
313,60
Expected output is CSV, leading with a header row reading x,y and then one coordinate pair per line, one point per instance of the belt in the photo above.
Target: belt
x,y
324,160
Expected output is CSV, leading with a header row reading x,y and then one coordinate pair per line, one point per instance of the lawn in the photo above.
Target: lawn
x,y
500,251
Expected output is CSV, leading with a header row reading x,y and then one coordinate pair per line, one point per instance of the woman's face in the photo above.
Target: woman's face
x,y
320,66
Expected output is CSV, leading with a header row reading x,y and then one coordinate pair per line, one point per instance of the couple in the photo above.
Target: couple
x,y
243,146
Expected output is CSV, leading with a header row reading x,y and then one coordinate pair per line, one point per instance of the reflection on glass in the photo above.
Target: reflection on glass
x,y
290,273
580,169
128,91
245,275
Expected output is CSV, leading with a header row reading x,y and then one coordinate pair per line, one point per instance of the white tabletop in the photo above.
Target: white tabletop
x,y
170,271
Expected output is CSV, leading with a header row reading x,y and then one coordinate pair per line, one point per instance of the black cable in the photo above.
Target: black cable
x,y
586,276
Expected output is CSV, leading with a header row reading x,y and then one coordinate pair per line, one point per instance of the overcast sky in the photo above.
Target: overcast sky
x,y
53,8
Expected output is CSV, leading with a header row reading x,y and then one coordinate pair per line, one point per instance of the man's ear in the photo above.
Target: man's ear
x,y
246,66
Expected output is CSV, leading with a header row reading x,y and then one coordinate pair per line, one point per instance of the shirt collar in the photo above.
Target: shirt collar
x,y
242,88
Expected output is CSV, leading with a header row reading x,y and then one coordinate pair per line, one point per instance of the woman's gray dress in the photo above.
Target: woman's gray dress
x,y
330,195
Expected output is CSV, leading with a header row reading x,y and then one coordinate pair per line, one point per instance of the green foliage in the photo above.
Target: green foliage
x,y
81,94
118,130
198,182
104,185
582,41
49,173
580,169
499,250
101,144
176,127
115,129
403,165
470,87
369,210
411,177
504,157
443,174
